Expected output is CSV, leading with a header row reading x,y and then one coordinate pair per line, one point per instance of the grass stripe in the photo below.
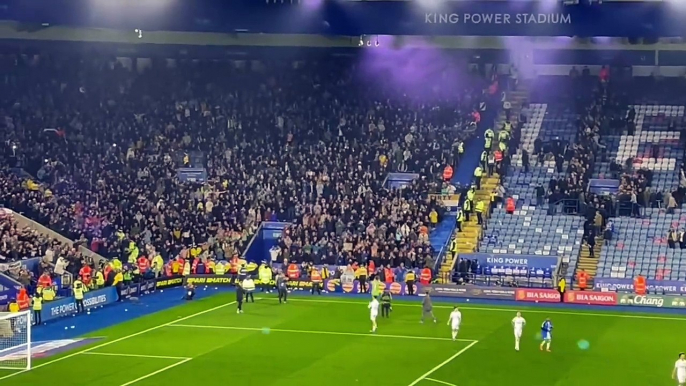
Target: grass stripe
x,y
318,332
503,309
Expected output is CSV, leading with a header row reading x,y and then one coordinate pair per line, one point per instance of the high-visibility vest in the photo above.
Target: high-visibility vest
x,y
460,148
488,142
508,127
219,268
78,290
425,277
478,172
23,299
293,271
410,276
143,264
498,156
460,216
37,303
389,275
265,274
582,280
315,276
448,173
484,156
470,195
480,207
510,207
45,281
640,285
467,205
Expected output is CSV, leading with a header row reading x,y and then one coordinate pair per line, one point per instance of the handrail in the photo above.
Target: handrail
x,y
556,205
252,239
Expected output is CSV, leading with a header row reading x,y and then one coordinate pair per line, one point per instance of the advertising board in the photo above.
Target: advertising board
x,y
537,295
330,285
474,292
591,297
655,301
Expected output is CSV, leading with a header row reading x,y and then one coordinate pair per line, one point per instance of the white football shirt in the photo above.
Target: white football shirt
x,y
455,319
518,322
680,367
374,306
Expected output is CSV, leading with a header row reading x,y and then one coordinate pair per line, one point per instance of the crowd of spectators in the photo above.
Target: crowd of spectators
x,y
309,144
20,243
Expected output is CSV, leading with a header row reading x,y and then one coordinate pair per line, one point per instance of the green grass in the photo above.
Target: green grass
x,y
314,341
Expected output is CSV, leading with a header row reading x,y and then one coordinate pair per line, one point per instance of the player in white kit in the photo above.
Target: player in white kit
x,y
373,312
679,372
454,322
518,324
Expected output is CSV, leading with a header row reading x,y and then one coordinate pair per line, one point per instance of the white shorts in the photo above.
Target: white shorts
x,y
373,316
518,333
681,378
455,327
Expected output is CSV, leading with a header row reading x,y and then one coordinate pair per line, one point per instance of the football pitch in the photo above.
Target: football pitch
x,y
314,341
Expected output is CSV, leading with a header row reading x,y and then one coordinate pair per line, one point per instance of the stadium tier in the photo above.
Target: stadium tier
x,y
641,246
655,145
531,231
547,123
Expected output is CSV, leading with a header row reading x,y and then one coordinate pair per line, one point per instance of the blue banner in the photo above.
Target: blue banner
x,y
671,287
354,18
192,174
491,260
67,306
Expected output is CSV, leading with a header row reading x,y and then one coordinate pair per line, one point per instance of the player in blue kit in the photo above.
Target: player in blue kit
x,y
546,334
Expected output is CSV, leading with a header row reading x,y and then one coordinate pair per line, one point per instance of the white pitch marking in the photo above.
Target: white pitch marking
x,y
156,372
439,381
445,362
111,354
118,340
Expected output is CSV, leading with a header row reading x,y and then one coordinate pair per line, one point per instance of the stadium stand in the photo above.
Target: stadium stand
x,y
642,246
649,156
548,180
318,138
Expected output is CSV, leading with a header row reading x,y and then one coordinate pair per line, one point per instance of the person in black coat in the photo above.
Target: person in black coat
x,y
240,295
525,160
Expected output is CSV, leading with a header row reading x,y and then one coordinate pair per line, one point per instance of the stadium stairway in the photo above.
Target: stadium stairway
x,y
464,173
588,263
468,239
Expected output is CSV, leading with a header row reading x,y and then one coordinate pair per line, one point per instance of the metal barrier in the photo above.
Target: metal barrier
x,y
502,280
